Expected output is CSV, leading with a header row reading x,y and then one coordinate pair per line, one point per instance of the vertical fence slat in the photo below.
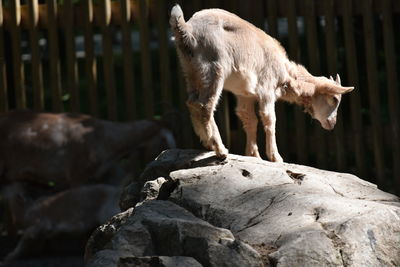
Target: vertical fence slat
x,y
393,95
197,4
301,143
36,65
90,58
351,63
272,18
18,67
373,88
231,6
331,55
257,13
311,35
108,62
314,63
72,69
211,4
165,74
3,74
54,61
145,56
281,122
129,86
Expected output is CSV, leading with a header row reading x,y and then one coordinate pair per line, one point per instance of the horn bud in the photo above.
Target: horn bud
x,y
338,79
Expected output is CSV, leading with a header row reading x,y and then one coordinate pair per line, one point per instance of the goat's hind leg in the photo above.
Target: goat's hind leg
x,y
195,109
202,107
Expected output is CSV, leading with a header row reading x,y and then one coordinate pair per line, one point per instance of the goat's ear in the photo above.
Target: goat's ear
x,y
347,89
332,87
337,89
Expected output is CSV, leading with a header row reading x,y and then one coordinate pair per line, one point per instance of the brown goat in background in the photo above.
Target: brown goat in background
x,y
67,150
218,50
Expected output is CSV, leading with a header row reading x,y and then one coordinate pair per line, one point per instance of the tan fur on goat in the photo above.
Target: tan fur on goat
x,y
218,50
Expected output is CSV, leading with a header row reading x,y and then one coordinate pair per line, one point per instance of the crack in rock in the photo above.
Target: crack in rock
x,y
336,192
264,250
251,222
372,239
337,242
332,235
296,177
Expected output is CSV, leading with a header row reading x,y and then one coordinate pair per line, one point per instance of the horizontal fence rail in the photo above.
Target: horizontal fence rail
x,y
116,60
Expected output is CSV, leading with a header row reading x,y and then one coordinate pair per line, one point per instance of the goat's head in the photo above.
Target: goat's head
x,y
324,103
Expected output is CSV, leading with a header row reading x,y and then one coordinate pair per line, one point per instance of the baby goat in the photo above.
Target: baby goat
x,y
218,50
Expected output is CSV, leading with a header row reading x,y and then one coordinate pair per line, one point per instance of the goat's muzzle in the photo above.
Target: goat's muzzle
x,y
329,124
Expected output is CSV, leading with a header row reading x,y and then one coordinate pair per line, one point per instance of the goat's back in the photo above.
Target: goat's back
x,y
221,29
231,43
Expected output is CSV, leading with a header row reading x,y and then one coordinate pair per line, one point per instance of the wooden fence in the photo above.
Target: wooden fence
x,y
115,60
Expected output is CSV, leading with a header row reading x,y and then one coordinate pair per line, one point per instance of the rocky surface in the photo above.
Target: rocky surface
x,y
248,212
163,228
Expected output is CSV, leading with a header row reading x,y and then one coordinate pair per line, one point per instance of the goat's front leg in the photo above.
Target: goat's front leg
x,y
267,114
245,112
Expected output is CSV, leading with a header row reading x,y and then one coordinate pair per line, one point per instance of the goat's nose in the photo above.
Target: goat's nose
x,y
332,122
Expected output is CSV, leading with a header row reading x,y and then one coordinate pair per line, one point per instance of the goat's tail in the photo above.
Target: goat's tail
x,y
182,30
176,18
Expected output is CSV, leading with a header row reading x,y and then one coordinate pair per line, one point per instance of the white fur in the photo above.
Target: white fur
x,y
218,50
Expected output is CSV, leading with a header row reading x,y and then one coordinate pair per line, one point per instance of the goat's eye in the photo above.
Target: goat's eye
x,y
335,100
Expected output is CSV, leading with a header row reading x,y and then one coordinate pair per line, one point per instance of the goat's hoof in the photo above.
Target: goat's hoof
x,y
254,154
278,159
222,153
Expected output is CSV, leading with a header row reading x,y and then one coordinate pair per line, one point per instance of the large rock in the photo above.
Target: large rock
x,y
163,228
291,215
